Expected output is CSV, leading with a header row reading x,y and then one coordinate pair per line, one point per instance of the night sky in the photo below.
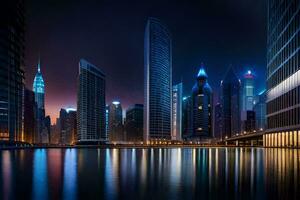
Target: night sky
x,y
110,34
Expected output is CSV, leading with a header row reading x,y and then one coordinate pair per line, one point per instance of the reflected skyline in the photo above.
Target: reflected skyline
x,y
174,173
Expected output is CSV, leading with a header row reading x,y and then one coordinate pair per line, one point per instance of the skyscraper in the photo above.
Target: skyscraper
x,y
30,128
134,123
218,121
12,35
283,74
115,122
230,103
157,81
260,110
248,90
68,126
187,117
177,112
202,98
90,104
107,122
39,95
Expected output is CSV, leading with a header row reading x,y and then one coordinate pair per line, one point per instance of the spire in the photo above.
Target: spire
x,y
202,72
39,64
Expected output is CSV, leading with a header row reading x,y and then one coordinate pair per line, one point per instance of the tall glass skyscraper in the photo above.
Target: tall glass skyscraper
x,y
202,98
116,122
283,74
90,104
230,104
177,112
248,90
12,35
158,81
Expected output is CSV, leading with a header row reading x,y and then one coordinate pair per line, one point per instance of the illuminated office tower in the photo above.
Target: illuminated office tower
x,y
248,90
260,110
107,122
283,74
12,36
202,101
158,81
116,122
230,104
90,104
177,112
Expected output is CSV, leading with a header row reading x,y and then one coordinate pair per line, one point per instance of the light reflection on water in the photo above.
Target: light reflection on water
x,y
177,173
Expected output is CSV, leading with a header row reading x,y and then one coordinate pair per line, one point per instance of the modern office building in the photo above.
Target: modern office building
x,y
202,101
187,117
12,35
218,121
157,81
283,74
39,95
107,122
134,123
90,104
248,90
30,126
116,132
230,104
62,125
177,112
250,121
68,126
260,111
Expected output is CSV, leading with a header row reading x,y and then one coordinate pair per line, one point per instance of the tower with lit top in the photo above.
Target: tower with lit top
x,y
39,88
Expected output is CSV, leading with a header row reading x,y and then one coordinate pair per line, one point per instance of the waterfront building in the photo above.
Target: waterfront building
x,y
177,112
134,123
39,95
260,111
90,104
116,132
187,117
249,123
157,81
30,128
218,121
71,127
62,125
12,36
248,90
202,101
230,104
283,74
107,121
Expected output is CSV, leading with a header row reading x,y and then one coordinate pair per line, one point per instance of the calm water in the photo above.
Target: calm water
x,y
215,173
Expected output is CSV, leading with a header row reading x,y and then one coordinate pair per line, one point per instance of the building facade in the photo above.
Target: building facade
x,y
12,36
30,128
260,111
218,121
187,117
248,90
158,81
90,104
283,74
134,123
68,126
177,112
116,132
202,101
230,104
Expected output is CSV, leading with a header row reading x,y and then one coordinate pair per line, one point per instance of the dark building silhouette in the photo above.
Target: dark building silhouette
x,y
260,111
134,123
187,117
62,125
30,126
157,81
218,121
12,35
116,129
90,104
230,103
202,100
250,121
283,74
68,126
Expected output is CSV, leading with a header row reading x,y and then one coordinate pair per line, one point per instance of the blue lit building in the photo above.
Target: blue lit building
x,y
158,81
260,110
107,121
202,101
230,104
90,104
248,90
177,112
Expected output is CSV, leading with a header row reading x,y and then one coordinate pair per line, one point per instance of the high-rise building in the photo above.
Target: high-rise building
x,y
12,35
116,132
68,126
248,90
157,81
250,121
134,123
107,121
260,111
30,128
90,104
187,117
218,121
62,125
39,95
177,112
202,100
283,74
230,104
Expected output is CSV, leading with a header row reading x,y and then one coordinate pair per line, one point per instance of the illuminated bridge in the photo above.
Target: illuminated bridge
x,y
247,139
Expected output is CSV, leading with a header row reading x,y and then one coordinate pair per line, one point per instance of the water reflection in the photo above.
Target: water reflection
x,y
179,173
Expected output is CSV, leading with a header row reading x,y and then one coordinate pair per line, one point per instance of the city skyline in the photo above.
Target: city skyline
x,y
193,44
